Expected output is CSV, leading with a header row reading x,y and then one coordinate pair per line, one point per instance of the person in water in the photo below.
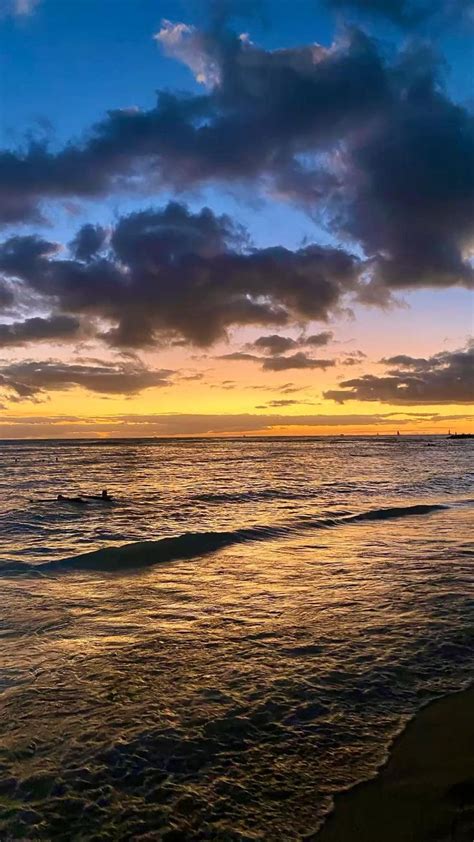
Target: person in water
x,y
104,496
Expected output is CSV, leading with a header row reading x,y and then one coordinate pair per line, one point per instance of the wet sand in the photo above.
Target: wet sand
x,y
425,793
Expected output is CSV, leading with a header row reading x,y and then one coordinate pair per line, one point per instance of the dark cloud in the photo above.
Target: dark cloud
x,y
447,377
176,274
353,358
235,356
299,360
290,389
278,403
37,329
29,379
275,345
280,363
285,402
227,385
405,361
317,340
6,296
197,376
88,241
409,194
409,14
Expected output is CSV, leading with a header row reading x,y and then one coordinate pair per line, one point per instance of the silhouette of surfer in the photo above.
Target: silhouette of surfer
x,y
103,497
82,499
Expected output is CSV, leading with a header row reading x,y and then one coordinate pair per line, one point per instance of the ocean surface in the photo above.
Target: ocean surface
x,y
233,640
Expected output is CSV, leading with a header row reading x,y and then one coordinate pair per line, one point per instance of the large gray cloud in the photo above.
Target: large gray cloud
x,y
174,273
376,146
261,109
30,379
409,196
447,377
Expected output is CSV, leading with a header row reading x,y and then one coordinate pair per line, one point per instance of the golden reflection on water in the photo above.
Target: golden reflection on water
x,y
232,693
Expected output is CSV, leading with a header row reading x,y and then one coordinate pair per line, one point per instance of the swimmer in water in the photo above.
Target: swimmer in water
x,y
104,497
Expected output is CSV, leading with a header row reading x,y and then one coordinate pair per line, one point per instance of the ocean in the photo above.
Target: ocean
x,y
234,639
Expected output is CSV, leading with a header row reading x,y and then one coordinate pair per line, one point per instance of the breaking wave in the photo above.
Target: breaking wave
x,y
397,511
191,545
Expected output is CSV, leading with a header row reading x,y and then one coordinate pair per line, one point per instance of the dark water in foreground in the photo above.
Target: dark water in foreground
x,y
224,684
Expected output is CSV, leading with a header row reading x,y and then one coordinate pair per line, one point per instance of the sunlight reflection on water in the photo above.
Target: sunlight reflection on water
x,y
229,695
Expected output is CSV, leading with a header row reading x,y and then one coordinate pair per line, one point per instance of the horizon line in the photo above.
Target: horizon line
x,y
226,437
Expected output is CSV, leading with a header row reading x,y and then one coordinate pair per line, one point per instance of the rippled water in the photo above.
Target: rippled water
x,y
294,602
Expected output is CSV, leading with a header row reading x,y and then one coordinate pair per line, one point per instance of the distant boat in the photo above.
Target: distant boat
x,y
460,435
398,432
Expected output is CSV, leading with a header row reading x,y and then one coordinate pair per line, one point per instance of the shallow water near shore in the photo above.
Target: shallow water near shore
x,y
279,609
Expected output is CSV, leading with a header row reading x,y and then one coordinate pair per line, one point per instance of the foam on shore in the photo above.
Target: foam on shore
x,y
425,793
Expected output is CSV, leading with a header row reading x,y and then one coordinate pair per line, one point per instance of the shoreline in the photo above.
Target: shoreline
x,y
425,790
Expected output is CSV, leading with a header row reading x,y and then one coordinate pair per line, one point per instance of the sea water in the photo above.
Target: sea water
x,y
234,639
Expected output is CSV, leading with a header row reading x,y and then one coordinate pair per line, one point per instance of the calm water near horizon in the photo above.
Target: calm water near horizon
x,y
294,602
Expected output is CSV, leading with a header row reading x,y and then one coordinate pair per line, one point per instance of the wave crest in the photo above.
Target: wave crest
x,y
194,544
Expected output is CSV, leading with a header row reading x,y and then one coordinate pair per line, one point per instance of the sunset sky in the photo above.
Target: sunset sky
x,y
236,217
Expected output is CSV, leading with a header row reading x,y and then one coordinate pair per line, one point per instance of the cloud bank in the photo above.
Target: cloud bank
x,y
175,424
169,273
446,377
374,146
30,379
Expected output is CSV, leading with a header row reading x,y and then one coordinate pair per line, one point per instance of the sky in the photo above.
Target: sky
x,y
222,217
